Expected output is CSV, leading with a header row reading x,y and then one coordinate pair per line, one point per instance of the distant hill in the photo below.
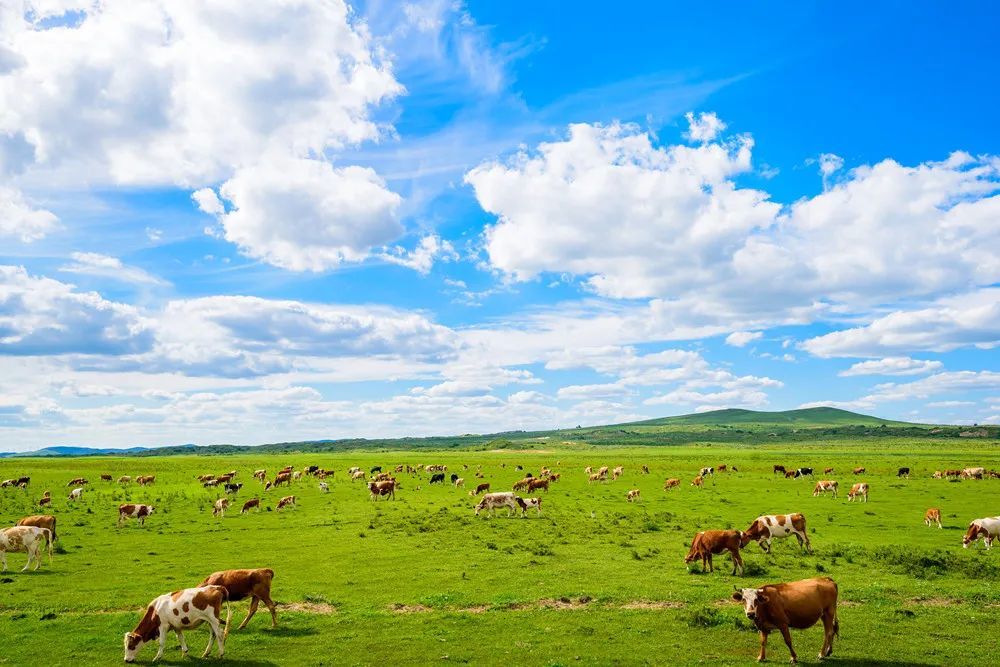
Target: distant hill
x,y
735,426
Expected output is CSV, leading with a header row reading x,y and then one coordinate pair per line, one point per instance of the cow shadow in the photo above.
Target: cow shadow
x,y
853,662
286,631
250,662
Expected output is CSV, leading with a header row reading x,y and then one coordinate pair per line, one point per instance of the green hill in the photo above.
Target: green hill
x,y
804,418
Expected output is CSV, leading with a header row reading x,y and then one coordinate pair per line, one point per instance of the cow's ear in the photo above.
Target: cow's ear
x,y
738,596
761,598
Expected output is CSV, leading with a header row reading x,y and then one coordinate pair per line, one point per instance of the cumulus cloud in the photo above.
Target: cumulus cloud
x,y
430,249
20,220
104,266
892,366
704,127
305,215
742,338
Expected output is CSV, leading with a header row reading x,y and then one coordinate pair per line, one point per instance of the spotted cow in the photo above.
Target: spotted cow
x,y
180,611
28,539
770,526
130,511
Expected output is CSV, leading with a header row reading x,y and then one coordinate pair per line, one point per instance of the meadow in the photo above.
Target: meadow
x,y
591,580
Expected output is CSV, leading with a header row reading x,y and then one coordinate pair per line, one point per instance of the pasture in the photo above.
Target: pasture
x,y
593,579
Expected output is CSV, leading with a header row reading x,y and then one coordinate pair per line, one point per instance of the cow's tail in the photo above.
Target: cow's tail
x,y
229,612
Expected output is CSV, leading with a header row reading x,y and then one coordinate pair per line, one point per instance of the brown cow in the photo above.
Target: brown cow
x,y
932,516
106,478
859,471
143,480
482,488
779,468
698,481
250,504
710,542
78,481
521,484
282,478
383,488
827,471
536,484
671,483
243,584
797,604
40,521
789,474
285,502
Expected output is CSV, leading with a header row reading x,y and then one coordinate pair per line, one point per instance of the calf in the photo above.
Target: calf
x,y
507,499
482,488
710,542
76,494
824,486
459,482
903,472
324,487
790,474
180,611
698,481
932,516
437,478
769,526
219,509
858,490
138,512
28,539
243,584
671,483
250,504
41,521
797,604
988,529
632,496
285,502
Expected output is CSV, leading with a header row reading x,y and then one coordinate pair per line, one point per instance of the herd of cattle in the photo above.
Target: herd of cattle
x,y
775,607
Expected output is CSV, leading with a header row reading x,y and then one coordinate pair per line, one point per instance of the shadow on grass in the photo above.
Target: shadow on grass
x,y
285,631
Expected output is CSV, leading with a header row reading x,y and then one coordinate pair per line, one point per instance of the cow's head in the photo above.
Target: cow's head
x,y
747,536
752,599
972,535
133,643
149,509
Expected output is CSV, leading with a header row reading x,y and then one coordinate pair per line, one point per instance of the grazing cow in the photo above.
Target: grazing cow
x,y
932,516
41,521
859,471
698,481
387,488
536,484
180,611
106,478
797,604
827,471
261,475
705,472
645,470
28,539
988,529
482,488
375,469
23,481
233,488
973,473
632,496
453,477
125,479
789,474
324,487
589,470
243,584
779,468
45,500
617,472
710,542
205,478
824,486
358,474
507,499
312,470
297,475
952,473
8,483
220,507
533,502
721,468
903,472
802,472
671,483
769,526
282,478
210,483
143,480
130,511
437,478
250,504
858,490
459,482
76,494
225,479
603,471
285,502
78,481
596,477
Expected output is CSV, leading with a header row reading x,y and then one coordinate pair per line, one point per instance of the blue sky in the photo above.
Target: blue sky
x,y
319,220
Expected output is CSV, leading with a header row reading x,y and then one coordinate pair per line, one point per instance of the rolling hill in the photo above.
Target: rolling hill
x,y
806,417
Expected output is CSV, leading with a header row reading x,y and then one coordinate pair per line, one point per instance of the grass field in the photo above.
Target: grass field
x,y
592,580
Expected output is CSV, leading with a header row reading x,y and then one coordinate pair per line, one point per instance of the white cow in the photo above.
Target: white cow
x,y
219,509
324,487
76,493
988,529
507,499
533,502
180,611
25,538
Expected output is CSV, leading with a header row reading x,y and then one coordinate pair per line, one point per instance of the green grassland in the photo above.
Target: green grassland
x,y
592,580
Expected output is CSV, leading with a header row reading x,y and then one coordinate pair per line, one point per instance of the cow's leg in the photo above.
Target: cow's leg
x,y
38,557
180,638
269,603
765,545
211,638
220,636
763,646
163,642
254,601
787,636
3,557
711,565
828,624
737,560
28,564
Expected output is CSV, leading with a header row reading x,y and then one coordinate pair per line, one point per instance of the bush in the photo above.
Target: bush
x,y
706,617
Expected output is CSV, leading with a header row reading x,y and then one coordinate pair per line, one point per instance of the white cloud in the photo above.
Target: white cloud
x,y
20,220
892,366
95,264
950,404
968,320
704,127
829,164
579,392
742,338
422,258
305,215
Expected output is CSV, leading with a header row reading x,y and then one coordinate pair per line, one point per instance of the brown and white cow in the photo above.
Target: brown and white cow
x,y
282,478
797,604
44,501
261,475
143,480
41,521
386,488
698,481
859,490
250,504
932,516
710,542
287,501
617,472
180,611
507,499
859,471
130,511
632,496
78,481
243,584
826,486
973,473
770,526
536,484
125,479
671,483
533,502
460,482
596,477
358,474
988,529
76,493
220,507
28,539
521,484
827,471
